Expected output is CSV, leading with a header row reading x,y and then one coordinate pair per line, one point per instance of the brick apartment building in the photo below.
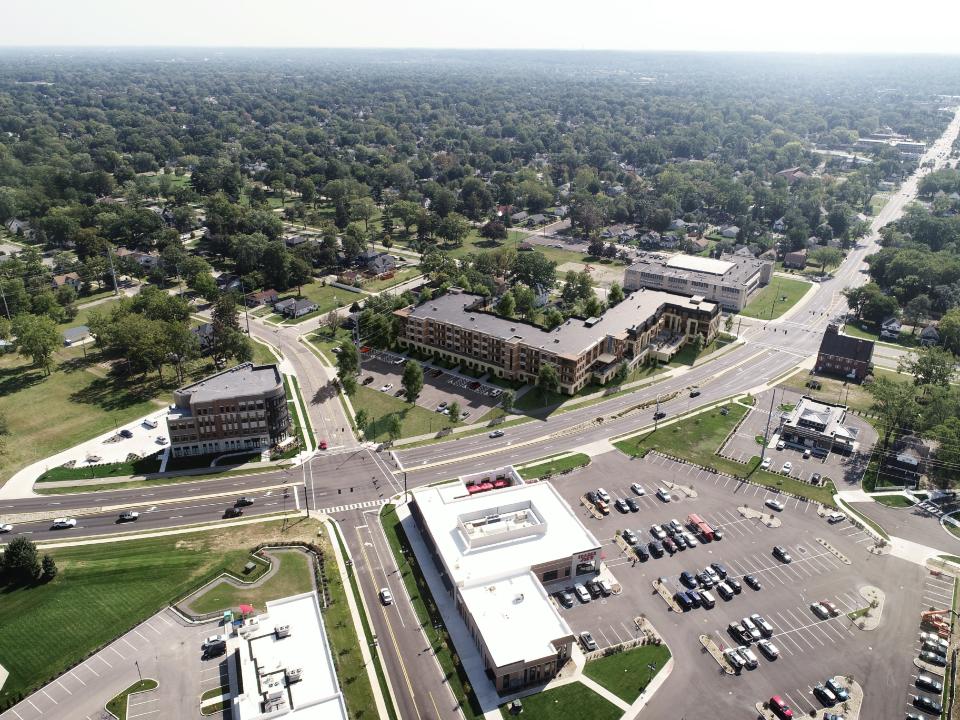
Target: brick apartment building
x,y
646,324
242,408
844,355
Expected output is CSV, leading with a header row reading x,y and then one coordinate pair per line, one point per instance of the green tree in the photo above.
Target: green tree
x,y
21,562
454,228
615,296
506,306
548,381
592,307
299,272
894,404
363,209
534,269
348,365
507,399
947,436
37,339
412,380
949,329
48,568
227,339
825,257
526,300
929,366
362,419
552,318
620,376
454,412
393,425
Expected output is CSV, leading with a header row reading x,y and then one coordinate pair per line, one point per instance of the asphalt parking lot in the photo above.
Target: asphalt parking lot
x,y
811,648
474,397
743,444
164,648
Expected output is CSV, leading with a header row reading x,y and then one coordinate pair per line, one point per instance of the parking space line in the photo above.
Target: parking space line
x,y
34,706
87,666
49,696
99,656
781,633
788,632
64,687
606,640
613,630
141,636
802,626
119,654
146,624
132,646
77,678
16,713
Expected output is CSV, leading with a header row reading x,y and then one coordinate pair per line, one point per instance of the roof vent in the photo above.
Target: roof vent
x,y
283,631
518,599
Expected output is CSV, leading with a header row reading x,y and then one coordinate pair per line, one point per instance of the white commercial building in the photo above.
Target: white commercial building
x,y
729,281
495,541
284,667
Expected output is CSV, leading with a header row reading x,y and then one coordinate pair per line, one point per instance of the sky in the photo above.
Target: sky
x,y
817,26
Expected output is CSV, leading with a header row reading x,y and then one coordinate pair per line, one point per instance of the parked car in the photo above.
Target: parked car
x,y
780,708
215,650
593,587
774,504
663,495
682,600
629,537
669,545
581,592
825,696
688,579
816,479
734,585
735,660
657,532
212,640
632,504
161,440
752,582
603,495
368,380
769,649
765,628
837,689
605,588
830,607
497,434
621,505
720,570
586,639
399,392
781,445
934,659
933,637
565,598
64,523
641,552
738,632
688,540
638,489
707,599
128,516
925,682
819,610
705,581
603,507
787,468
927,704
718,533
724,591
386,387
781,554
125,433
751,628
656,549
765,465
386,597
749,659
591,497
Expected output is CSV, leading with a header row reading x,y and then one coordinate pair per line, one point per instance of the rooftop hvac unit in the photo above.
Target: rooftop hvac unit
x,y
293,675
273,691
283,631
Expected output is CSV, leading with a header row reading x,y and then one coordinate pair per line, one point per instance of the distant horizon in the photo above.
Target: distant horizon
x,y
819,27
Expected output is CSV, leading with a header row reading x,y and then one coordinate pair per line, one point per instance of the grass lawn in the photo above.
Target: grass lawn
x,y
626,674
832,390
400,276
79,401
414,420
877,202
262,355
83,314
159,482
291,578
323,341
428,616
553,467
118,705
103,590
867,331
769,304
575,700
697,439
894,501
149,464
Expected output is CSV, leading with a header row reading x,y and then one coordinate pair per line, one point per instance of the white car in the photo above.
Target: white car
x,y
781,445
386,597
212,640
774,504
769,649
162,441
663,495
787,468
386,388
638,489
765,465
6,528
603,495
64,523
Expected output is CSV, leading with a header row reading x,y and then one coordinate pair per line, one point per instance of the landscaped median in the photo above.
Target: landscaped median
x,y
573,700
697,439
118,704
554,465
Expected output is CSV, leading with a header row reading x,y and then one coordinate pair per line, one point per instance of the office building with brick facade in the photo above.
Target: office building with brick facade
x,y
240,409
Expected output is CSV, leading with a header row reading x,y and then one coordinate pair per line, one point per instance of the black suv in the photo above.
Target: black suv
x,y
655,549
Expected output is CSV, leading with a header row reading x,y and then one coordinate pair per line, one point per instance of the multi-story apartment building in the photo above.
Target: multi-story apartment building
x,y
646,324
729,282
242,408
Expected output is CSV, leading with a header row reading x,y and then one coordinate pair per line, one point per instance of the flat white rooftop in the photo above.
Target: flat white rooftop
x,y
700,264
515,617
264,658
539,527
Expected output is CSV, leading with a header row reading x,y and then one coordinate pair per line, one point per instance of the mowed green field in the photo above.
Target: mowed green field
x,y
104,590
575,700
769,304
49,414
291,578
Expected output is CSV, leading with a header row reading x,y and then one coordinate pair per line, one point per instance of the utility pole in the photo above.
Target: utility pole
x,y
766,430
3,295
113,272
